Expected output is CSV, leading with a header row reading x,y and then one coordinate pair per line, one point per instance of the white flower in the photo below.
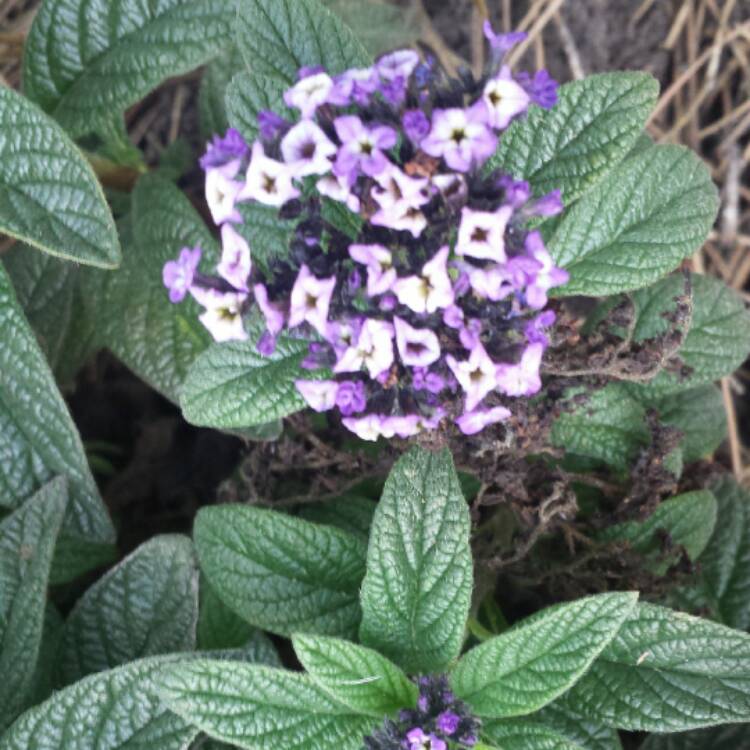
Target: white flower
x,y
374,349
504,99
223,313
430,291
481,233
309,93
268,181
222,193
307,149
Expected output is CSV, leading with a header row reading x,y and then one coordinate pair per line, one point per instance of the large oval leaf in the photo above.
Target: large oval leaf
x,y
49,195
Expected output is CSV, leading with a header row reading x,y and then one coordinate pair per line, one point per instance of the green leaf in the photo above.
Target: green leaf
x,y
584,730
609,426
733,737
355,676
55,303
281,573
268,235
591,129
219,627
653,304
115,710
526,668
248,95
213,90
717,343
725,563
49,194
689,519
43,682
644,218
278,37
417,591
156,339
698,413
351,513
525,735
145,606
39,441
667,671
27,544
86,63
232,385
260,708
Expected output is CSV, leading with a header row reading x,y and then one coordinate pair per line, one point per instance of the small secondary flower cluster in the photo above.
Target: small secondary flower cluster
x,y
433,306
439,722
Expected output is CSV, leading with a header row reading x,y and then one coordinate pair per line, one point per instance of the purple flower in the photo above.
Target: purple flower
x,y
542,89
374,349
356,85
453,316
418,740
448,722
504,98
472,422
225,149
517,192
351,397
236,263
272,313
309,93
320,395
362,146
523,378
547,276
548,205
461,137
477,375
271,125
268,181
416,125
535,328
307,149
494,283
178,274
310,300
424,380
417,347
222,193
266,345
430,291
482,234
502,43
223,313
380,272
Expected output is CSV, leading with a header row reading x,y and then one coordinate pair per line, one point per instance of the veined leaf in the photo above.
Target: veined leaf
x,y
584,730
355,676
646,216
350,513
280,573
526,735
86,62
39,441
594,125
699,670
213,89
27,543
248,95
260,708
145,606
733,737
49,194
219,627
529,666
416,594
278,37
115,710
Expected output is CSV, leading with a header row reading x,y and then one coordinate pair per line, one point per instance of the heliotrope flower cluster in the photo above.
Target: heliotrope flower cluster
x,y
433,306
439,722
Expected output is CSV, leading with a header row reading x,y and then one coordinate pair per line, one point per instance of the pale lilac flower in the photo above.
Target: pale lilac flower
x,y
517,192
307,149
222,194
351,397
320,395
224,149
373,350
448,722
452,187
418,740
380,272
310,300
309,93
178,274
236,262
548,275
522,379
472,422
493,283
461,137
470,334
273,314
504,98
396,189
477,375
398,64
548,205
453,316
369,427
342,334
268,181
402,219
362,146
430,291
223,313
339,189
403,426
418,347
482,233
536,327
356,85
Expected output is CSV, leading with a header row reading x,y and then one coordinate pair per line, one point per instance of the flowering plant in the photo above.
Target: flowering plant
x,y
475,270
